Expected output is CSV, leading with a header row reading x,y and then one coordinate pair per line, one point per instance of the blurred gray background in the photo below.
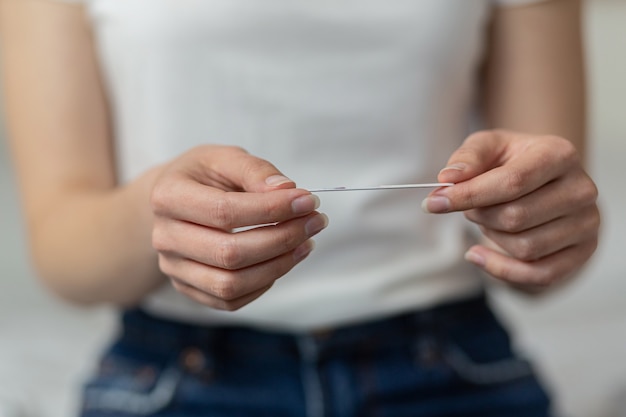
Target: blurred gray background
x,y
578,336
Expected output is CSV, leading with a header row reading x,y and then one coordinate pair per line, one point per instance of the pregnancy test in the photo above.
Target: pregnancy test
x,y
384,187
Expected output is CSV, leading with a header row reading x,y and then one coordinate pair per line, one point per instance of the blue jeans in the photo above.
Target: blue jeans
x,y
452,360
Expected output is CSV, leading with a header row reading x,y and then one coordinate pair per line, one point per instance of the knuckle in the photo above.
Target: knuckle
x,y
160,199
253,165
514,218
222,213
566,149
590,223
165,266
516,181
289,239
293,241
160,240
557,149
467,195
228,255
588,191
225,287
525,249
269,209
595,221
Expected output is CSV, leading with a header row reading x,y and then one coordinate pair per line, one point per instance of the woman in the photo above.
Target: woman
x,y
144,136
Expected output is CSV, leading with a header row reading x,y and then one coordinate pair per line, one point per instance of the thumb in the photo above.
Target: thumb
x,y
479,153
236,169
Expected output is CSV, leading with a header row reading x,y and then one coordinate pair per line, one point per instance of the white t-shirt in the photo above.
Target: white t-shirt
x,y
350,92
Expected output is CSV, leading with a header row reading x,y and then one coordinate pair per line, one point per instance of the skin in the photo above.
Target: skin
x,y
528,192
94,240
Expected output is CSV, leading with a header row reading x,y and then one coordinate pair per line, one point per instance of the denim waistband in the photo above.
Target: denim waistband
x,y
160,335
444,360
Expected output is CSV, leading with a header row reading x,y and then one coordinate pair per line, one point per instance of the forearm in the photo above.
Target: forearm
x,y
535,81
95,246
90,240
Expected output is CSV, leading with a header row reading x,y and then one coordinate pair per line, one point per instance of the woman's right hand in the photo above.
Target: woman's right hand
x,y
198,202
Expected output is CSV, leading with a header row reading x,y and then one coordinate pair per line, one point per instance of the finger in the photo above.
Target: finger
x,y
215,302
568,194
236,169
232,285
549,238
185,199
497,167
538,274
233,251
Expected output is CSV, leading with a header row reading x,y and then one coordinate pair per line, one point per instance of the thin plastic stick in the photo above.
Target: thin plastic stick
x,y
384,187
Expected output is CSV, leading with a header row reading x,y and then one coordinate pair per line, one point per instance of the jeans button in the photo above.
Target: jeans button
x,y
195,361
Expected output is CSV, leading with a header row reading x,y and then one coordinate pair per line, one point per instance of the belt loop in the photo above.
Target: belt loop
x,y
311,380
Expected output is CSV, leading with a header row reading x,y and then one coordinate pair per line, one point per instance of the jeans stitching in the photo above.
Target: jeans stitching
x,y
114,399
505,370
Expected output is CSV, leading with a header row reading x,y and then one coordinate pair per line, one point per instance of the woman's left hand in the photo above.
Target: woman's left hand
x,y
531,197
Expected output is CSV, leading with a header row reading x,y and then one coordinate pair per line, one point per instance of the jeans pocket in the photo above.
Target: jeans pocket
x,y
131,387
498,371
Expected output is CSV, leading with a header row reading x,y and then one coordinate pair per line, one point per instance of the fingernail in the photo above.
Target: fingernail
x,y
316,224
475,258
303,250
436,204
276,180
305,204
454,167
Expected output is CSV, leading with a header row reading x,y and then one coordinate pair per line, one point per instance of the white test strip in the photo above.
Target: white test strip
x,y
384,187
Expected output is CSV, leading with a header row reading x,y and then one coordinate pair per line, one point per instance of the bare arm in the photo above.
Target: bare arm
x,y
94,240
534,78
90,239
